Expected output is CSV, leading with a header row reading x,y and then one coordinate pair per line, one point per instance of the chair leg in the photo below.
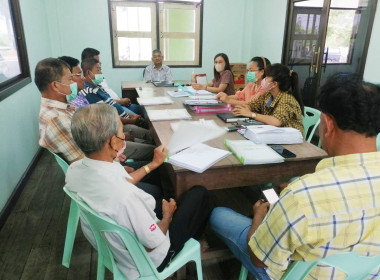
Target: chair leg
x,y
243,273
198,263
72,225
101,270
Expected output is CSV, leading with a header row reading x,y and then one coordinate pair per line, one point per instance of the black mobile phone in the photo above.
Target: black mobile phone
x,y
231,128
283,152
270,195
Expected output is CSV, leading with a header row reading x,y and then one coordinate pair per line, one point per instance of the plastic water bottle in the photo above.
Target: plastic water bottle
x,y
192,78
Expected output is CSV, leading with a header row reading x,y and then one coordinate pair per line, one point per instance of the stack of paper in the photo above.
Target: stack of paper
x,y
202,122
268,134
206,102
178,93
192,91
198,158
146,101
168,114
248,152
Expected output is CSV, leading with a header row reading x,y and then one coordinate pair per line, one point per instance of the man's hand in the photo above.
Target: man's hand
x,y
135,118
129,169
242,110
222,96
260,210
124,102
159,155
122,158
168,208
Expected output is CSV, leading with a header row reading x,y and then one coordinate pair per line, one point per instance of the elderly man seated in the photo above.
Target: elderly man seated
x,y
161,226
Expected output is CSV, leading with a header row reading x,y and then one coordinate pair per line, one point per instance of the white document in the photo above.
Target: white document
x,y
198,158
197,92
179,93
248,152
193,102
146,101
269,134
168,114
202,97
202,122
188,134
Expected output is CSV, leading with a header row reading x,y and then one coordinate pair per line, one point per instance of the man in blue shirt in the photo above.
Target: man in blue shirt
x,y
94,93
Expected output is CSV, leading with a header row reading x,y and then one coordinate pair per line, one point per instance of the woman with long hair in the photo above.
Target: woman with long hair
x,y
281,105
223,78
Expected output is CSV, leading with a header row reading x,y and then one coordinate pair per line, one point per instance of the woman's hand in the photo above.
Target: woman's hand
x,y
198,86
222,96
242,110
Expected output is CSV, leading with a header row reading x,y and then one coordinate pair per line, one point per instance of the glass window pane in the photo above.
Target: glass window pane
x,y
310,3
178,20
346,3
9,59
179,49
339,34
135,49
133,19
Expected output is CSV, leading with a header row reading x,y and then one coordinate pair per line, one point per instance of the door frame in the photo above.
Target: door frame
x,y
324,23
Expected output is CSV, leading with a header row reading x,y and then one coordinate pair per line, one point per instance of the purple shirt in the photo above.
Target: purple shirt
x,y
79,101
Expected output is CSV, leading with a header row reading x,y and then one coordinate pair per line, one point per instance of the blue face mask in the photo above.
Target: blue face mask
x,y
251,77
98,78
74,91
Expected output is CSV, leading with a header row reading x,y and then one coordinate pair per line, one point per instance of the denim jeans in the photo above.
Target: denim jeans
x,y
232,228
133,109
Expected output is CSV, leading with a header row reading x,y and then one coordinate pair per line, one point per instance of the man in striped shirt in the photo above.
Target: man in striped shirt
x,y
334,210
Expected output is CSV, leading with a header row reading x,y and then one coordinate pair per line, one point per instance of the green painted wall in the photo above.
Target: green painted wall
x,y
242,29
19,112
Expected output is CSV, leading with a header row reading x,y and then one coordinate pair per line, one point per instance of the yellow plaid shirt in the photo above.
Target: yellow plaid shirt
x,y
336,209
55,128
284,107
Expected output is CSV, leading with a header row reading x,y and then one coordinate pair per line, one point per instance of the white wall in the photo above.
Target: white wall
x,y
19,112
88,26
372,66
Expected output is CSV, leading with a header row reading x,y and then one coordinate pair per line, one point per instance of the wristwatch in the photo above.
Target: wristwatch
x,y
253,115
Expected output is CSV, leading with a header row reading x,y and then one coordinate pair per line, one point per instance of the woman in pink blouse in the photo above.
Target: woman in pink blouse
x,y
223,77
253,89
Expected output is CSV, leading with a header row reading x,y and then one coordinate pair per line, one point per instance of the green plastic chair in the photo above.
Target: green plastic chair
x,y
72,221
147,270
310,122
378,142
354,266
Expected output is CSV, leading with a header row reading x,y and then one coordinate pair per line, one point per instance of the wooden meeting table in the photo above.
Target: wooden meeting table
x,y
228,172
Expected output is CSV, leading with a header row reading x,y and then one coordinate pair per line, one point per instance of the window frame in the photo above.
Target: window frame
x,y
157,42
14,84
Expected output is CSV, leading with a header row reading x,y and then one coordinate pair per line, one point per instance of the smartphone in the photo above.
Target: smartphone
x,y
270,195
283,152
231,128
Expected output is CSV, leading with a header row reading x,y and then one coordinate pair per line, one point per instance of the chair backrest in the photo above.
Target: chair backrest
x,y
101,225
378,142
354,266
63,164
310,119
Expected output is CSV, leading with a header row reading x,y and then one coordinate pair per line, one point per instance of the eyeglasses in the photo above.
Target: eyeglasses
x,y
120,137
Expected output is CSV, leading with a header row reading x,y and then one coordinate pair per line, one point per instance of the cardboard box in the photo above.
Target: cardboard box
x,y
239,70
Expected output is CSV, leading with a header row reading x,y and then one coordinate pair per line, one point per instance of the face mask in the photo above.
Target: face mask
x,y
219,67
121,151
98,78
251,77
266,85
74,91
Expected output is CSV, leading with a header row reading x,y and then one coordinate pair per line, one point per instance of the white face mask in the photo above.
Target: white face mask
x,y
219,67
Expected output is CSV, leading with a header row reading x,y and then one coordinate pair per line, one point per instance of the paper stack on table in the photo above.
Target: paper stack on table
x,y
177,93
186,148
202,122
146,101
248,152
168,114
269,134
